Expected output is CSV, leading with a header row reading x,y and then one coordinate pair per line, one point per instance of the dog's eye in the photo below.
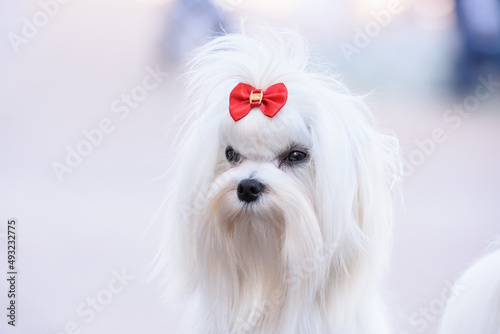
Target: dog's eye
x,y
296,156
232,156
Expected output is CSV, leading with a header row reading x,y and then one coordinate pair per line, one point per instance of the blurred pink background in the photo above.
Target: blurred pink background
x,y
67,73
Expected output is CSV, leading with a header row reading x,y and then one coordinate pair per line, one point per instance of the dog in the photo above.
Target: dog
x,y
279,217
476,307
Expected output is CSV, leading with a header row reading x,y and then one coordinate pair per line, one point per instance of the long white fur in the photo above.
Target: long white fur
x,y
476,306
308,256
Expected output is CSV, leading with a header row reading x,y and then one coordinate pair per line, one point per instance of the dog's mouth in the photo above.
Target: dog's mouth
x,y
263,212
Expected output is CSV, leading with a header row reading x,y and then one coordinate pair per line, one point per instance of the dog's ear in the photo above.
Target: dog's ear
x,y
197,150
378,171
356,167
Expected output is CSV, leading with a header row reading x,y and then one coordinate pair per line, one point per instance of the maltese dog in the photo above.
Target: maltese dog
x,y
279,218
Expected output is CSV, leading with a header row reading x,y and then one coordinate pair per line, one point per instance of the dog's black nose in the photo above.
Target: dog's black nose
x,y
249,190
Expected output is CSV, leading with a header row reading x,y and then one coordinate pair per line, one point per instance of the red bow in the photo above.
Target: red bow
x,y
244,97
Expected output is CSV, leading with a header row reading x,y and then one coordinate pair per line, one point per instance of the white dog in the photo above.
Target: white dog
x,y
280,215
476,309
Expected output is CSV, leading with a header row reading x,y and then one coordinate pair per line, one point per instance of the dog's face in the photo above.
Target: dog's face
x,y
263,165
258,220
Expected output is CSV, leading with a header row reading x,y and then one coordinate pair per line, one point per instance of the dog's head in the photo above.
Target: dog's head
x,y
300,200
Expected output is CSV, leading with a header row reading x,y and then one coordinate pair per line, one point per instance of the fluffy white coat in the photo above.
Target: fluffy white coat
x,y
476,308
308,256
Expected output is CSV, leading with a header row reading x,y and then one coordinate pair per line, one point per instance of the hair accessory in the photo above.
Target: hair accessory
x,y
245,97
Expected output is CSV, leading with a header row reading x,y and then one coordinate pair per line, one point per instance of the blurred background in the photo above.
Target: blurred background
x,y
88,91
